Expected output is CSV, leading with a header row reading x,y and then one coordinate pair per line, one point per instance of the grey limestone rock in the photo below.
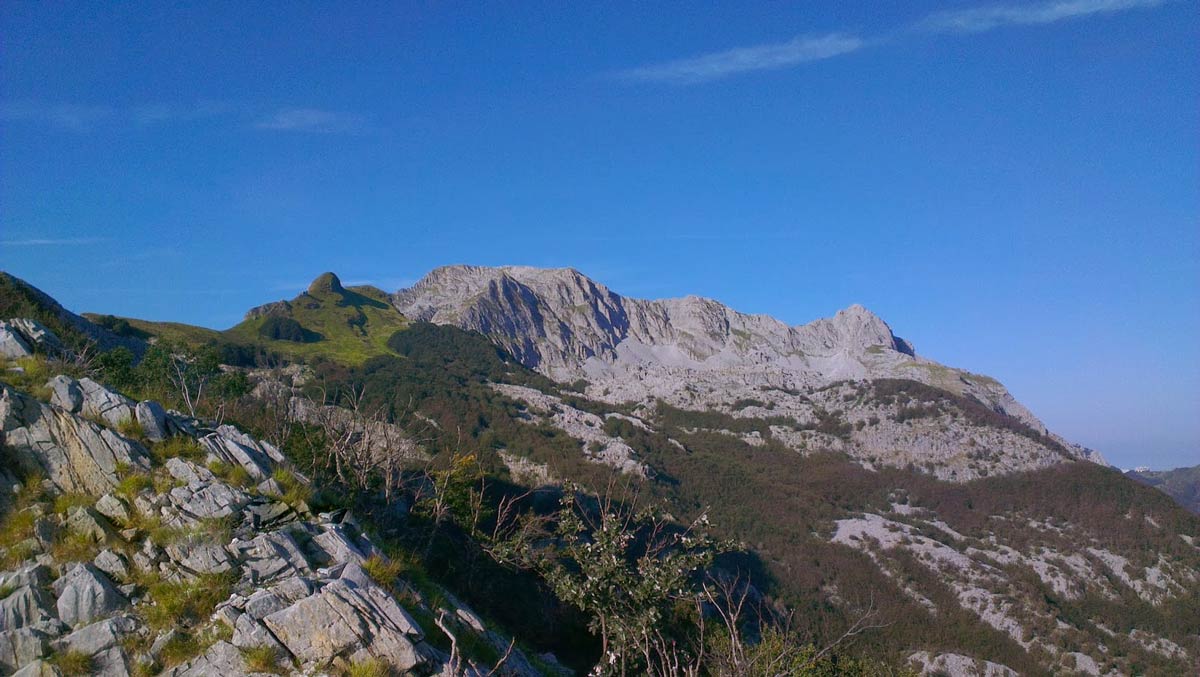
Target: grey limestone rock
x,y
85,594
346,619
112,563
75,454
28,605
222,659
153,419
13,344
66,393
100,402
20,647
114,508
198,556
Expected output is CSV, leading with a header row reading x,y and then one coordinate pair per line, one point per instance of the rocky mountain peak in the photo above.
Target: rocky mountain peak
x,y
862,328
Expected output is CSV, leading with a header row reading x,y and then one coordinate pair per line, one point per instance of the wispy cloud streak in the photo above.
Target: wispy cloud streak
x,y
980,19
51,241
718,65
312,120
84,118
68,117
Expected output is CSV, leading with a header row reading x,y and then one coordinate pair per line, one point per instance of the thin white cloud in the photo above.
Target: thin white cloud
x,y
313,120
980,19
707,67
51,241
67,117
85,118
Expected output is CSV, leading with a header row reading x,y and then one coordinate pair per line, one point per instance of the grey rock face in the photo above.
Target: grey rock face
x,y
94,638
87,522
38,668
75,454
27,606
100,402
20,647
153,419
85,594
114,508
112,563
12,344
199,557
37,335
230,446
350,621
222,658
66,393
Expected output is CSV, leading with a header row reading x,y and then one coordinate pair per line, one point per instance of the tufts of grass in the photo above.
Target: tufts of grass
x,y
72,547
64,502
72,663
184,646
374,667
184,603
177,447
234,475
294,491
129,427
35,371
133,484
263,659
6,590
384,571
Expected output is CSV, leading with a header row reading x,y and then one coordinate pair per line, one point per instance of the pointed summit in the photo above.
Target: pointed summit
x,y
326,283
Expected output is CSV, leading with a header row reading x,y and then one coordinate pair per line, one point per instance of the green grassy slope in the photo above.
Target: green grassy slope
x,y
345,324
348,325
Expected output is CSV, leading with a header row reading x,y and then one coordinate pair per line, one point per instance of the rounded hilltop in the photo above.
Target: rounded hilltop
x,y
326,283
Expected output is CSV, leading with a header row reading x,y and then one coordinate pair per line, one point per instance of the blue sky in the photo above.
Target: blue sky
x,y
1014,187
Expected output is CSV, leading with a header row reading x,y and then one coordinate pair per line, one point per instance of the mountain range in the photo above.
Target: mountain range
x,y
860,478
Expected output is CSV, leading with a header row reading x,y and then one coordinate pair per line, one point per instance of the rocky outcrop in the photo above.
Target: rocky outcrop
x,y
75,454
13,344
296,580
84,595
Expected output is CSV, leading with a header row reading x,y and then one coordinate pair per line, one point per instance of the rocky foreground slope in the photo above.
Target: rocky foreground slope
x,y
143,541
